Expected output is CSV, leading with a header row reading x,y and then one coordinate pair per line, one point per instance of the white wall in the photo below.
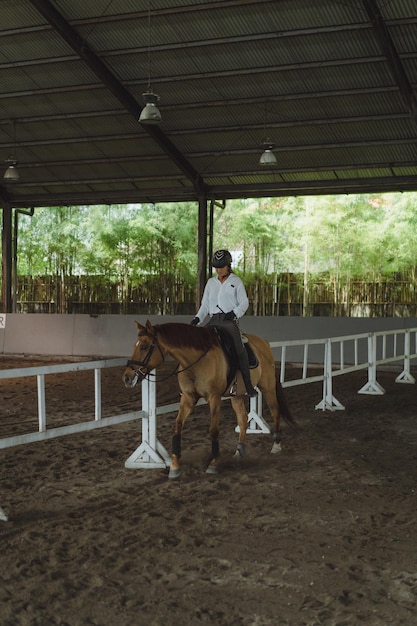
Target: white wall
x,y
114,335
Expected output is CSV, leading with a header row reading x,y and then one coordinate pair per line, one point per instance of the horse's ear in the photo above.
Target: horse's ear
x,y
149,327
140,327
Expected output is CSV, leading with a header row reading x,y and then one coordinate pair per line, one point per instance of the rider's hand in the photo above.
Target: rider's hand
x,y
195,321
230,315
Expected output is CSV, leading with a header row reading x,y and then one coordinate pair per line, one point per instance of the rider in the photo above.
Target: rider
x,y
225,301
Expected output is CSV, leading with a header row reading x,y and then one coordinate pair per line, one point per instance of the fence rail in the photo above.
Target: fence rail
x,y
379,348
40,372
377,351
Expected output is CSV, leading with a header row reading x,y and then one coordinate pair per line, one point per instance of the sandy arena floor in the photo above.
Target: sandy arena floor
x,y
322,534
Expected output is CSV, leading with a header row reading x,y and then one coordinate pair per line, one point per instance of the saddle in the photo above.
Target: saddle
x,y
230,353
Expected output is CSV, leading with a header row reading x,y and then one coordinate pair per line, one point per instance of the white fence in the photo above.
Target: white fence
x,y
40,372
339,355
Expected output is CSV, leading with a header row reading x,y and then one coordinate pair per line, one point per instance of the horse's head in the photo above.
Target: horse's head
x,y
147,355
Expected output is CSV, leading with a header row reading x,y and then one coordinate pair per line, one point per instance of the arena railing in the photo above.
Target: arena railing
x,y
49,433
333,357
355,352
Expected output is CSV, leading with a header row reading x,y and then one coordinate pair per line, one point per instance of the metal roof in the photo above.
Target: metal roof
x,y
331,82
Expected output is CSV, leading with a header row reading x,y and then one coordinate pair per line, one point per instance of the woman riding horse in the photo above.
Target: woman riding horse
x,y
225,301
202,370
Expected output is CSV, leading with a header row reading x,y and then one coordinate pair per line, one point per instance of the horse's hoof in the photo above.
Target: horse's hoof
x,y
212,470
240,451
276,448
174,473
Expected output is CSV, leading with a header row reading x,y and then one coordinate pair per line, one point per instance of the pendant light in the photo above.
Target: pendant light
x,y
12,173
268,158
150,113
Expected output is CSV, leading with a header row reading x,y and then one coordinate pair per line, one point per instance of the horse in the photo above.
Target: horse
x,y
202,370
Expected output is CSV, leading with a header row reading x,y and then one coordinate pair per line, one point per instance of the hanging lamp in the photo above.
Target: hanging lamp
x,y
150,113
268,158
12,173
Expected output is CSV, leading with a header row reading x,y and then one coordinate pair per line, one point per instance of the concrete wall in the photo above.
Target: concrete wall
x,y
114,335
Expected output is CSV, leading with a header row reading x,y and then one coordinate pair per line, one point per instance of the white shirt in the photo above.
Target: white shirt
x,y
221,297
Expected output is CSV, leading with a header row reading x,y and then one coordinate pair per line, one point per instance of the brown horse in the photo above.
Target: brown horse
x,y
203,373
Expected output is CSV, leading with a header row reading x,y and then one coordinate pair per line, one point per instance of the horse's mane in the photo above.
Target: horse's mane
x,y
186,336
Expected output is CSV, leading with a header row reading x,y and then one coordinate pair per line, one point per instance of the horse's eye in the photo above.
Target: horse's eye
x,y
144,347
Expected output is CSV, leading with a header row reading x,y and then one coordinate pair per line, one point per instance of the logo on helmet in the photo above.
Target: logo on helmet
x,y
221,258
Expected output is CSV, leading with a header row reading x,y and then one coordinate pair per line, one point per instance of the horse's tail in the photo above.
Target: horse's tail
x,y
283,405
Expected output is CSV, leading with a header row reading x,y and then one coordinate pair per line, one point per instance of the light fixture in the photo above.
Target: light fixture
x,y
150,113
12,173
267,156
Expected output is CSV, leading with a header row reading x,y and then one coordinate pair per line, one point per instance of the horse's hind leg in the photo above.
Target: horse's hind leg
x,y
239,408
187,404
269,392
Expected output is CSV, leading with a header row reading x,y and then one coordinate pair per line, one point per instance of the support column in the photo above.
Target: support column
x,y
202,248
6,284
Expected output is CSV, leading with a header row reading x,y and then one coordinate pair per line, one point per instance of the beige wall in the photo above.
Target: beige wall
x,y
114,335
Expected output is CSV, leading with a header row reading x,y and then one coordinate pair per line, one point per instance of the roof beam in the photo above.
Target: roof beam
x,y
393,58
275,99
306,123
153,179
269,69
134,15
108,18
317,188
89,57
374,184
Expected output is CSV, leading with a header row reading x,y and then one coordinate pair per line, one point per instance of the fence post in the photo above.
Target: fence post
x,y
406,376
372,387
329,402
41,403
256,423
97,394
150,453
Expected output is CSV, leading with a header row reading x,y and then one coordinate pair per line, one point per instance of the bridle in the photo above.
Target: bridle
x,y
143,369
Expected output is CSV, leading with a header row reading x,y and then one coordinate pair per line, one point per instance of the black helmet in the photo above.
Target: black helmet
x,y
221,258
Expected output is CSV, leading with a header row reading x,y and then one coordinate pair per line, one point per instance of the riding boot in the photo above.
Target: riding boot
x,y
243,363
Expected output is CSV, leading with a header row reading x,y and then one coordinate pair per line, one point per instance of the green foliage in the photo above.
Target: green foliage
x,y
338,237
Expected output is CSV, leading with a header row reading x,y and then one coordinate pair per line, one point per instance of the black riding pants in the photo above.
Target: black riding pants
x,y
232,328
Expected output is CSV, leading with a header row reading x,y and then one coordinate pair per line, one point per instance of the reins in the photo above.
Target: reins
x,y
173,373
192,364
144,364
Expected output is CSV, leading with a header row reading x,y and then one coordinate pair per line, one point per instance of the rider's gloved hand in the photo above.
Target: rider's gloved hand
x,y
195,321
230,315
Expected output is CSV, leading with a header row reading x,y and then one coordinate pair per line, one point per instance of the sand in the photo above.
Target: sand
x,y
322,534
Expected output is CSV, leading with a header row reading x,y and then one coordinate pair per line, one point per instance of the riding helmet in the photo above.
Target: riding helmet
x,y
221,258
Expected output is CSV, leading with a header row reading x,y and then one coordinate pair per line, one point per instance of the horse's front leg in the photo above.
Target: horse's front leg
x,y
239,408
215,408
187,404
